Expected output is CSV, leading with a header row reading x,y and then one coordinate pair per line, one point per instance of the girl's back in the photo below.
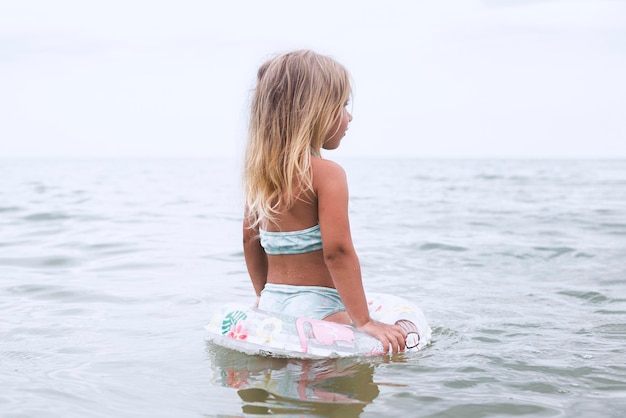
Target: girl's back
x,y
307,268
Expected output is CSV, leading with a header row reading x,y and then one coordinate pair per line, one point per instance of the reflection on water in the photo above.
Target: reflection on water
x,y
266,385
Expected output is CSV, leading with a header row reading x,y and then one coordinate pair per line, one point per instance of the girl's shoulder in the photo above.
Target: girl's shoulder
x,y
326,171
323,166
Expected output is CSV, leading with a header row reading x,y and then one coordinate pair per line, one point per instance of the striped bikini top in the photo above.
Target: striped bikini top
x,y
291,242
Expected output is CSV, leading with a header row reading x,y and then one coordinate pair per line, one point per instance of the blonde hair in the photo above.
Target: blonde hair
x,y
297,101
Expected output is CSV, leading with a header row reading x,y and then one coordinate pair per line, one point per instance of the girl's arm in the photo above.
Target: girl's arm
x,y
340,257
256,259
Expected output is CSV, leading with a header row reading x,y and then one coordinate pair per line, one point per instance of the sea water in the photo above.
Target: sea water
x,y
109,268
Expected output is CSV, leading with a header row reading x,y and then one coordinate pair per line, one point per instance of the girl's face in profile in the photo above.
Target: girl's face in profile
x,y
338,130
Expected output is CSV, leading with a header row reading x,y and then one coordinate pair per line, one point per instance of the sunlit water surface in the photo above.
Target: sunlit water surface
x,y
108,269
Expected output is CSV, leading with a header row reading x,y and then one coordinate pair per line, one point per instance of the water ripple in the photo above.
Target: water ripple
x,y
63,294
47,217
40,262
439,246
591,296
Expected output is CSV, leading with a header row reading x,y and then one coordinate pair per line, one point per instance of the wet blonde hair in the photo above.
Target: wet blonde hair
x,y
297,101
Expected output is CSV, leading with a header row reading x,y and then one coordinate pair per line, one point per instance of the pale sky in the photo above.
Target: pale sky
x,y
433,78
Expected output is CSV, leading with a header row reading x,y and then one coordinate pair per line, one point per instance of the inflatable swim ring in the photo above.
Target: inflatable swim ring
x,y
253,331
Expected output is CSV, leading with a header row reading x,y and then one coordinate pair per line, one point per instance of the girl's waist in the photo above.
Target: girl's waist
x,y
292,288
301,280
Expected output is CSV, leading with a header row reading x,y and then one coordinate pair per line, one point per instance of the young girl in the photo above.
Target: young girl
x,y
296,233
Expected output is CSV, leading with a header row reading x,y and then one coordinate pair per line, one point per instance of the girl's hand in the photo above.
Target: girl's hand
x,y
388,335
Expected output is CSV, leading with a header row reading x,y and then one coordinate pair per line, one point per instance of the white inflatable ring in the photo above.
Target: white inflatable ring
x,y
257,332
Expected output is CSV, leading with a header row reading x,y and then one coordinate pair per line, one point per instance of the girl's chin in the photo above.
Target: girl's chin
x,y
332,146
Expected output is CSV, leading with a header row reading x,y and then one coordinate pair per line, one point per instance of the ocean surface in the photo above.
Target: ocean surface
x,y
109,268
